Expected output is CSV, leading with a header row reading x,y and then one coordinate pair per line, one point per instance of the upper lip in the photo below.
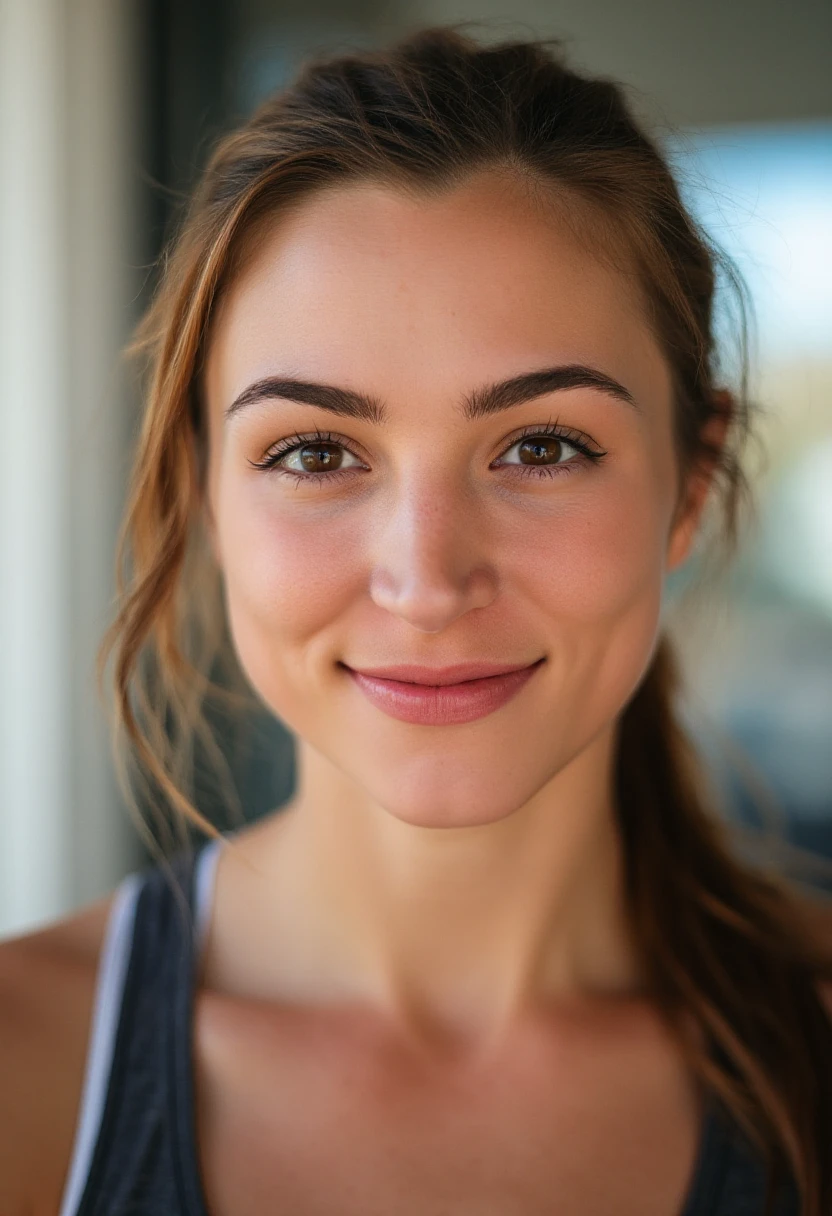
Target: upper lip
x,y
456,674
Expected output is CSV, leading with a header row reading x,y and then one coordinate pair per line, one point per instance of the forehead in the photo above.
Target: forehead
x,y
368,286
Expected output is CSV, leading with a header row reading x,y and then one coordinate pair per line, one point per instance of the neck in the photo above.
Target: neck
x,y
454,932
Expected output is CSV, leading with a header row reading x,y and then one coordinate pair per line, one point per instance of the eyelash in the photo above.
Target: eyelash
x,y
576,439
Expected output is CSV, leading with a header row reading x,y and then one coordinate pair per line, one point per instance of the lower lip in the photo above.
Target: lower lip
x,y
443,705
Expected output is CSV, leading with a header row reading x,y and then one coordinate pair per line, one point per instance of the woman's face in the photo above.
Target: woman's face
x,y
440,521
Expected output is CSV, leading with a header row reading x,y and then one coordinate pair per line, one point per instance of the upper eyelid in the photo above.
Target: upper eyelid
x,y
571,434
291,442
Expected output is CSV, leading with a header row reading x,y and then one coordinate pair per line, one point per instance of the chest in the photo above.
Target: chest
x,y
298,1118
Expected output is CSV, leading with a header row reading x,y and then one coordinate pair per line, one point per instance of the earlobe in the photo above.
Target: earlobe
x,y
699,481
683,529
682,538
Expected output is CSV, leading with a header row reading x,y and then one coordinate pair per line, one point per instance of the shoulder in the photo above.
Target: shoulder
x,y
47,993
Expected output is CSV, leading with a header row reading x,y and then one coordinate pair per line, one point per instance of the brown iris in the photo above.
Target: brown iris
x,y
538,450
320,457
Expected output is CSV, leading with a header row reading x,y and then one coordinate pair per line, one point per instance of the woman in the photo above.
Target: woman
x,y
435,393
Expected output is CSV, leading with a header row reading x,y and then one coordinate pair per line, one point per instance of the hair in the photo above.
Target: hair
x,y
728,954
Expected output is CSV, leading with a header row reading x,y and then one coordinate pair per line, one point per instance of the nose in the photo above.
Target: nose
x,y
431,565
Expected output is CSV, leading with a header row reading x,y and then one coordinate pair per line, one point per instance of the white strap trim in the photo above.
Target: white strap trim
x,y
204,889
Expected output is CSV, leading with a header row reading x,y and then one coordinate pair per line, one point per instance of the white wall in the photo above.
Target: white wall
x,y
67,140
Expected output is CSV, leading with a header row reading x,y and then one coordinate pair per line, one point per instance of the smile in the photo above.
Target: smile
x,y
441,703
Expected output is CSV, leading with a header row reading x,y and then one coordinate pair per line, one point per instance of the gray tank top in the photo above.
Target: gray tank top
x,y
135,1150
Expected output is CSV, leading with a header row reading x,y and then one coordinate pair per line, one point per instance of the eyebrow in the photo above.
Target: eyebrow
x,y
481,402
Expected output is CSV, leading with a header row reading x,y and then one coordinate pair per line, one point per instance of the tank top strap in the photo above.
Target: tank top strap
x,y
144,1156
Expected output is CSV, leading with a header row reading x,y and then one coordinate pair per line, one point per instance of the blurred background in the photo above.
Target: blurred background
x,y
107,111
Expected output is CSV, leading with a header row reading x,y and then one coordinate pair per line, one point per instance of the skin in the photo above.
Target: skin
x,y
475,871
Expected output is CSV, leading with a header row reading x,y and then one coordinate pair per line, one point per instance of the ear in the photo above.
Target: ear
x,y
694,493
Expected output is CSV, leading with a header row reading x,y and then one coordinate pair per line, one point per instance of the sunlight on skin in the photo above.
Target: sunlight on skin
x,y
426,552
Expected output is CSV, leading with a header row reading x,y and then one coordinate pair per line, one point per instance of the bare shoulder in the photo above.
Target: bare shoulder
x,y
47,992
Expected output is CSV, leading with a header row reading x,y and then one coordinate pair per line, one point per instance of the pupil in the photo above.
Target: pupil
x,y
313,457
538,450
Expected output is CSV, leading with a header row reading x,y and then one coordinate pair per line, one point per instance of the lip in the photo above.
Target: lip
x,y
459,673
442,696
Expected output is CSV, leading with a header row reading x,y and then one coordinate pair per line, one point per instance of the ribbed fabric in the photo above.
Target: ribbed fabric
x,y
144,1161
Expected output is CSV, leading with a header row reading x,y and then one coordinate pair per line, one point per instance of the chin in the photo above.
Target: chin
x,y
448,817
451,801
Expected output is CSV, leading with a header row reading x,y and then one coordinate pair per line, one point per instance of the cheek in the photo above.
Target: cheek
x,y
290,569
594,562
287,572
596,574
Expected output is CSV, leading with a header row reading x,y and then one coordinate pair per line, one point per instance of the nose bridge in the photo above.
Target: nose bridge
x,y
430,565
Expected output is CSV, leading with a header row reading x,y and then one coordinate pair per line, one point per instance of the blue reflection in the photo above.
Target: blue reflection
x,y
765,195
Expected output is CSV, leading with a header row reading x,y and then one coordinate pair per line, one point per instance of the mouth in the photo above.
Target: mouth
x,y
442,696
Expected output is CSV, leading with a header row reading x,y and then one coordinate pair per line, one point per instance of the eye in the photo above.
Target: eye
x,y
549,451
317,457
322,457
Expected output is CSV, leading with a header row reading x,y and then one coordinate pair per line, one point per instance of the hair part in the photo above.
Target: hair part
x,y
725,947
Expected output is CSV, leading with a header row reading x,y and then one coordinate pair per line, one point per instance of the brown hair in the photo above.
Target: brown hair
x,y
727,951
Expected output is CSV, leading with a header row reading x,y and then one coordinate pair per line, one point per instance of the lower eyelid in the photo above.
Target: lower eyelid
x,y
521,470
